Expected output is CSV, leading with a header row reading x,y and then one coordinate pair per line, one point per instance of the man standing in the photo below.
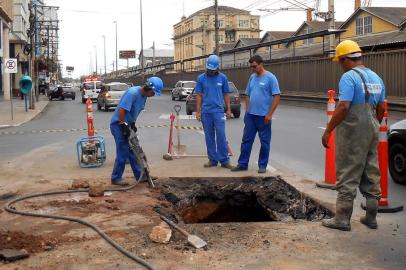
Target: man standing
x,y
356,121
212,94
263,96
124,117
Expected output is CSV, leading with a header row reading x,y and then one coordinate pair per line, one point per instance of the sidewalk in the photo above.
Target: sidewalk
x,y
20,116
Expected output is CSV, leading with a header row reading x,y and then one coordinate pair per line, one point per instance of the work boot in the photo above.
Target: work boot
x,y
238,169
210,164
227,165
342,219
120,182
370,214
262,170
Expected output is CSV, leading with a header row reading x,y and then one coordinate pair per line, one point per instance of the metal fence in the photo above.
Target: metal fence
x,y
311,75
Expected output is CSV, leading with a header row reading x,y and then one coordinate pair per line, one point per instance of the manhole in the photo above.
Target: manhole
x,y
222,200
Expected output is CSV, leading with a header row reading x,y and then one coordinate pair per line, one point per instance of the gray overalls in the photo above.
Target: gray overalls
x,y
356,142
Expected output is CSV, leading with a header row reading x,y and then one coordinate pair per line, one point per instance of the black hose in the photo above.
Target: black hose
x,y
9,208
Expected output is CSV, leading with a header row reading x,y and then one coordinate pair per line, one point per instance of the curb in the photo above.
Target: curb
x,y
29,118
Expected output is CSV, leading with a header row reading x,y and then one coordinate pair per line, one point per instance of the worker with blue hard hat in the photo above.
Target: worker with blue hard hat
x,y
124,117
212,100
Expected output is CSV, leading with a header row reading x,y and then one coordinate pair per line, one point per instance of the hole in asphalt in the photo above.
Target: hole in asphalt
x,y
198,200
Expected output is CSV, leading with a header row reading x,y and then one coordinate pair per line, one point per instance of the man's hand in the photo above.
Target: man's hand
x,y
228,114
268,119
326,138
125,129
199,116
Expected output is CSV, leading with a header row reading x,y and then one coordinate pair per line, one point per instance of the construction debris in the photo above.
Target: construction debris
x,y
76,184
96,191
161,233
11,255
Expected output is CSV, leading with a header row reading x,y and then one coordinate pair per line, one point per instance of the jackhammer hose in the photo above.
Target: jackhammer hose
x,y
9,208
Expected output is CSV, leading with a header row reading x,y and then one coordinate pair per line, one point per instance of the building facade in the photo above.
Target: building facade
x,y
18,40
195,35
6,18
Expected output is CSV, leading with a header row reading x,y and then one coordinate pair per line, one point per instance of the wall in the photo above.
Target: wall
x,y
315,75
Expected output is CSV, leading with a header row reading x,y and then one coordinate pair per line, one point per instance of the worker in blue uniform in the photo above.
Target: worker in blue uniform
x,y
124,117
212,100
263,97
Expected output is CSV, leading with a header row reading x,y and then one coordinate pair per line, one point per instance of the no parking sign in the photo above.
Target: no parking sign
x,y
10,65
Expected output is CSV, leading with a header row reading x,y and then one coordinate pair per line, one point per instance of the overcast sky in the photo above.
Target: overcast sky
x,y
84,22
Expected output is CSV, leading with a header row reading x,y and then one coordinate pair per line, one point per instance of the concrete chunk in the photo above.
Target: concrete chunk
x,y
161,233
11,255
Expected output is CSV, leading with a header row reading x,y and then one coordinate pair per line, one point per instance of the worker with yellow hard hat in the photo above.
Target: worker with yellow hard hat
x,y
356,122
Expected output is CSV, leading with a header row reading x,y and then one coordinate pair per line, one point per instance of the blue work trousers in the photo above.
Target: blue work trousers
x,y
214,126
123,152
253,124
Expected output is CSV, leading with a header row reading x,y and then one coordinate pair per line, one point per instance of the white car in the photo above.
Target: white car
x,y
91,90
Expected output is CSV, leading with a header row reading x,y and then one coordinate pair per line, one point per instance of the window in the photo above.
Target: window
x,y
367,25
359,24
310,40
243,36
363,25
243,23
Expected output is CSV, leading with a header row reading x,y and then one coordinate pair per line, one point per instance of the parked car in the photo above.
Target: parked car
x,y
397,152
110,95
90,90
234,101
182,89
61,92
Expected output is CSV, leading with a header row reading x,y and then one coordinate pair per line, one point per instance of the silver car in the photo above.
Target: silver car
x,y
183,89
110,95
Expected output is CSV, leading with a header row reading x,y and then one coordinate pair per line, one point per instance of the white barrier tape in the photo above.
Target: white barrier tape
x,y
383,136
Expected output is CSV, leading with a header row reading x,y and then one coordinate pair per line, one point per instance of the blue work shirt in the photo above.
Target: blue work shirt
x,y
212,89
351,87
261,90
133,103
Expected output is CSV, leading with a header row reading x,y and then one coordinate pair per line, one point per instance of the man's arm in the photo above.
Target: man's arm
x,y
380,110
339,115
228,106
121,115
247,103
275,102
199,107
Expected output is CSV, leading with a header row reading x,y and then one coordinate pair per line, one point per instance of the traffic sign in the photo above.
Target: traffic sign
x,y
127,54
10,65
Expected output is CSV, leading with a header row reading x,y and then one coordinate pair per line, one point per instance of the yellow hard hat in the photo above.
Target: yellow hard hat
x,y
346,47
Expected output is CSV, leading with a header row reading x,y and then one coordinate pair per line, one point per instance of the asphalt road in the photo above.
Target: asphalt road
x,y
296,140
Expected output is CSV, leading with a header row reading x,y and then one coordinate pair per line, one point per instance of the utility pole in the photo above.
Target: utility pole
x,y
153,53
216,26
142,43
105,68
116,49
331,25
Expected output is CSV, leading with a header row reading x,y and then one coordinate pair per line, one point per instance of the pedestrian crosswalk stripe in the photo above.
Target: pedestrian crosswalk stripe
x,y
85,129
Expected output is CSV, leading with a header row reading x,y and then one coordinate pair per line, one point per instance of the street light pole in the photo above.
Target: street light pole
x,y
116,48
142,42
216,27
104,42
95,56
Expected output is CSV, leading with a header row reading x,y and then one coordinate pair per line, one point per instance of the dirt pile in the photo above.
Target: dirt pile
x,y
32,243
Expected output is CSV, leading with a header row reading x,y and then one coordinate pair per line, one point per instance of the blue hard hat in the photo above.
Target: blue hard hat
x,y
213,62
156,84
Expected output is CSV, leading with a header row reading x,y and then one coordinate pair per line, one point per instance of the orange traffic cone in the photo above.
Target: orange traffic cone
x,y
384,206
330,164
